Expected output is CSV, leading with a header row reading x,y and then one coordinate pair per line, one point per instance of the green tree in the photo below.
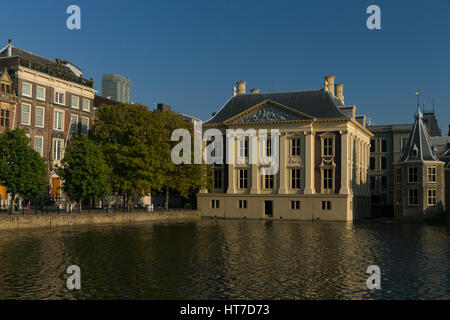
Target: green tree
x,y
22,170
183,178
132,140
84,170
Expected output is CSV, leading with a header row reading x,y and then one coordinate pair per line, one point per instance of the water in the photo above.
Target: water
x,y
230,259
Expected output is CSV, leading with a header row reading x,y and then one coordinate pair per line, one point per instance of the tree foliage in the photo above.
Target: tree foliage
x,y
129,140
84,170
22,170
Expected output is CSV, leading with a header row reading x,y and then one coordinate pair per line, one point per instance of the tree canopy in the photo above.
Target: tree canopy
x,y
84,170
22,170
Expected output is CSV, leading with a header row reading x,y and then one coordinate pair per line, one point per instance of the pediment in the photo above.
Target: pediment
x,y
268,111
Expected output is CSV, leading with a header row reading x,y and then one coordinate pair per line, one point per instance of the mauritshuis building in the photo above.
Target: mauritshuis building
x,y
324,154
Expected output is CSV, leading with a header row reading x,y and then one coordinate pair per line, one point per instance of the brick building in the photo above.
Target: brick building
x,y
52,101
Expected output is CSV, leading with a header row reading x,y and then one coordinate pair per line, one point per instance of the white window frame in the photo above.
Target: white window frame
x,y
434,175
37,89
413,175
88,105
429,197
76,123
43,117
63,97
82,125
57,156
77,106
29,114
42,144
55,122
31,89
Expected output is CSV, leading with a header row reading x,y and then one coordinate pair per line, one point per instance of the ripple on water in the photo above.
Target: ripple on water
x,y
234,259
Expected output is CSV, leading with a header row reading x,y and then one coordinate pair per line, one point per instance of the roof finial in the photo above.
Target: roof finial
x,y
418,114
432,102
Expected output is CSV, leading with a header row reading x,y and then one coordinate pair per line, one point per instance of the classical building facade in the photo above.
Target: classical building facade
x,y
52,102
323,150
419,186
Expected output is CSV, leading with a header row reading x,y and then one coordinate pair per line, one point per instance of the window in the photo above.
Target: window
x,y
73,123
326,205
413,176
26,89
26,114
85,104
242,204
383,145
268,181
399,175
4,118
372,183
372,145
75,102
57,149
215,204
269,147
404,143
295,178
39,121
58,120
413,197
243,148
372,163
328,146
38,144
383,182
383,163
432,174
217,179
327,179
295,205
40,93
84,125
432,200
243,178
295,147
59,97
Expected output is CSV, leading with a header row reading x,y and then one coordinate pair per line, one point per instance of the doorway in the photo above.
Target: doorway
x,y
268,208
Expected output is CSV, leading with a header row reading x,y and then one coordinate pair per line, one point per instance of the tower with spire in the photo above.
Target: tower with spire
x,y
419,182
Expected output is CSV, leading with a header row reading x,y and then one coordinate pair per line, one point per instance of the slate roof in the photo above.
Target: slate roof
x,y
419,147
55,67
315,103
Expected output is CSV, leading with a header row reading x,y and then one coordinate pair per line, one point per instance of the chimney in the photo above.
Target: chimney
x,y
339,90
163,107
241,87
254,90
9,51
329,81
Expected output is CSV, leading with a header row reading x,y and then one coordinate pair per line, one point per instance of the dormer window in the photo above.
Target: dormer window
x,y
415,151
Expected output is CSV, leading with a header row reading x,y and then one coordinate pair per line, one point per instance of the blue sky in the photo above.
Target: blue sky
x,y
189,54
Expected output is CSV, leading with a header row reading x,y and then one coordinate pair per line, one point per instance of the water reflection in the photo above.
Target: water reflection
x,y
236,259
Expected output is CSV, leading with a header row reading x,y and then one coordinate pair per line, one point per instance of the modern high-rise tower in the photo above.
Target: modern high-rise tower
x,y
116,87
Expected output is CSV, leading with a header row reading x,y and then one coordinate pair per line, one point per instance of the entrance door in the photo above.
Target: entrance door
x,y
56,188
268,208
